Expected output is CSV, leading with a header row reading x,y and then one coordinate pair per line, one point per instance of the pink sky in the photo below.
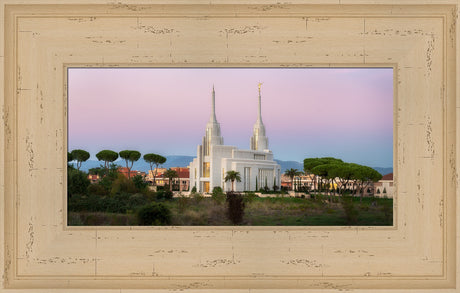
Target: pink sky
x,y
307,112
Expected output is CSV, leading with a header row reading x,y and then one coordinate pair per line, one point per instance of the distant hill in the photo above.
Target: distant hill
x,y
285,165
184,161
383,170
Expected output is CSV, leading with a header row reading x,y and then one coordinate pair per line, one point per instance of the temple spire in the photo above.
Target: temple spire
x,y
259,116
259,141
212,136
213,107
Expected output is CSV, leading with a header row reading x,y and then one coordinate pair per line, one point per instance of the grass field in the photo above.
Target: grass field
x,y
269,211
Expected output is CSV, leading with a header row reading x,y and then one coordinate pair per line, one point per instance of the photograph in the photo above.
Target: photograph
x,y
230,146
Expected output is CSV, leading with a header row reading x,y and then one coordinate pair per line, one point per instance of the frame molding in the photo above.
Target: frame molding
x,y
38,250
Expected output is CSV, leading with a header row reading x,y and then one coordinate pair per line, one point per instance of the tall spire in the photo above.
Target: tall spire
x,y
213,107
212,136
259,116
259,141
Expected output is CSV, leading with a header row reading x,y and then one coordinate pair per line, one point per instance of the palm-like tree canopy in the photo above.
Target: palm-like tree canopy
x,y
170,174
232,176
291,173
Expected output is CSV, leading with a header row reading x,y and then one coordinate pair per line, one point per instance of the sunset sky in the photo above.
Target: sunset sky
x,y
307,112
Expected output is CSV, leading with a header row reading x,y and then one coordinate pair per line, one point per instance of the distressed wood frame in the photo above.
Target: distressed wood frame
x,y
38,250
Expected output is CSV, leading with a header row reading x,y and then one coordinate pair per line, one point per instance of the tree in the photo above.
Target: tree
x,y
232,176
363,176
291,173
77,182
79,156
170,174
154,159
344,172
310,163
130,157
107,156
69,159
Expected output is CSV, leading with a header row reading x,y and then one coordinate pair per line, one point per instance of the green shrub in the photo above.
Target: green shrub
x,y
97,189
90,203
193,189
77,182
217,190
351,213
387,210
235,207
154,214
139,182
164,195
197,197
218,195
250,196
137,200
122,184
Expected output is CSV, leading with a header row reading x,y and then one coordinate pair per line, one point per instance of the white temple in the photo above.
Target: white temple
x,y
256,166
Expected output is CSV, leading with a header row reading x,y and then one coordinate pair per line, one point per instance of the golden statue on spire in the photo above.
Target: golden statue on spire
x,y
260,84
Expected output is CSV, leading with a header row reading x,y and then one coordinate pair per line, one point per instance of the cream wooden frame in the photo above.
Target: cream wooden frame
x,y
37,249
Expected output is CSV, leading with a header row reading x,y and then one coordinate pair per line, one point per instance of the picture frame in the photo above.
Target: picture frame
x,y
41,39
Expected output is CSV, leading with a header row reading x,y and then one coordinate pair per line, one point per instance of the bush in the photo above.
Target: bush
x,y
218,195
122,184
97,189
193,189
249,197
197,198
137,200
235,207
154,214
77,182
139,182
387,210
351,213
164,195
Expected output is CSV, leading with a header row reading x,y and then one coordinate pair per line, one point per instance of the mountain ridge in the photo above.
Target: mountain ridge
x,y
184,161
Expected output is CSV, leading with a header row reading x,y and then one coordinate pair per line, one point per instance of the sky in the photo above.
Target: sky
x,y
345,113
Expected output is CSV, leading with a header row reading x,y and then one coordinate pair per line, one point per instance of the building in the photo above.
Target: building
x,y
255,166
124,171
303,182
384,187
94,178
181,183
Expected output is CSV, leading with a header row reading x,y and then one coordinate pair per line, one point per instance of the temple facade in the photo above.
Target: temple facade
x,y
256,166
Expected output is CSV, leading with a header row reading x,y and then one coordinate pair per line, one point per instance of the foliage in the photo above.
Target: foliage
x,y
139,182
98,189
130,157
164,195
154,159
107,156
119,203
193,189
232,176
351,213
218,195
69,159
170,174
291,173
97,171
122,184
154,214
235,207
79,156
250,197
77,182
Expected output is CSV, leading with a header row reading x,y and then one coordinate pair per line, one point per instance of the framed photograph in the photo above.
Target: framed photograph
x,y
208,142
42,40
